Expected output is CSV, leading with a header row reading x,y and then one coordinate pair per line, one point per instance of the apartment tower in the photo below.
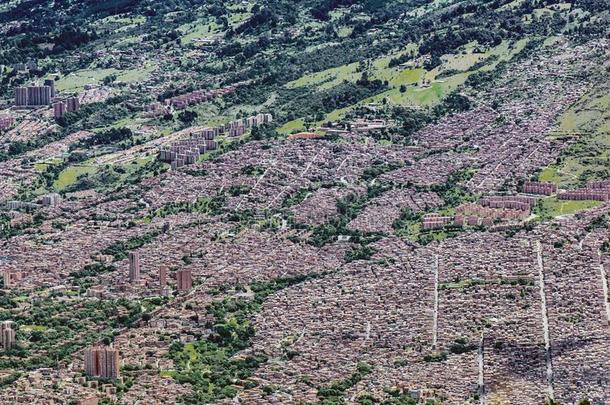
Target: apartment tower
x,y
134,266
184,280
102,362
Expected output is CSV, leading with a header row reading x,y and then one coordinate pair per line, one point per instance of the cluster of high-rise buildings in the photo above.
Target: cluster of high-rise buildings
x,y
435,221
103,362
586,194
489,211
60,108
239,127
595,190
184,278
7,334
516,202
25,66
51,200
35,95
465,211
198,96
187,151
184,100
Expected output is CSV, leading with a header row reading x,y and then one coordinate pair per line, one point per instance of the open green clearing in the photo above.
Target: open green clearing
x,y
589,157
415,94
206,27
33,328
71,174
115,20
76,81
552,207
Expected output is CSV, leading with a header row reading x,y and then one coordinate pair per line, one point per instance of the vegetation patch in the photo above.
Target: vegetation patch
x,y
551,207
211,364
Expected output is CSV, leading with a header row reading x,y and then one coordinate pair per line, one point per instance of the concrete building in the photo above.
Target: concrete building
x,y
15,205
11,278
34,95
51,200
21,96
187,151
184,279
59,109
39,95
50,83
20,67
7,334
534,187
72,104
102,362
586,194
163,276
134,266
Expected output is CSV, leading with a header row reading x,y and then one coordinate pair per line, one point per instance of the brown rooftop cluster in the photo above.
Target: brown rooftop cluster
x,y
304,135
518,316
6,122
381,212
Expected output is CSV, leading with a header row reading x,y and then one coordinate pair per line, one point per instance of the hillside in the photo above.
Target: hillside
x,y
325,201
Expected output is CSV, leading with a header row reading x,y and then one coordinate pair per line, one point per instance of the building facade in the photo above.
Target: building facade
x,y
7,334
134,266
162,276
103,362
184,279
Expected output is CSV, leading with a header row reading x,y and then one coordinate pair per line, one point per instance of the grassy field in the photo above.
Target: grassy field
x,y
69,176
332,77
168,374
552,207
200,29
136,75
114,20
415,95
189,349
32,328
42,166
122,170
76,81
206,27
590,113
552,9
129,41
589,157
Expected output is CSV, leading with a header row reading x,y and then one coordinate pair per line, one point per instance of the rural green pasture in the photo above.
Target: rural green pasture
x,y
416,93
552,207
588,157
76,81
